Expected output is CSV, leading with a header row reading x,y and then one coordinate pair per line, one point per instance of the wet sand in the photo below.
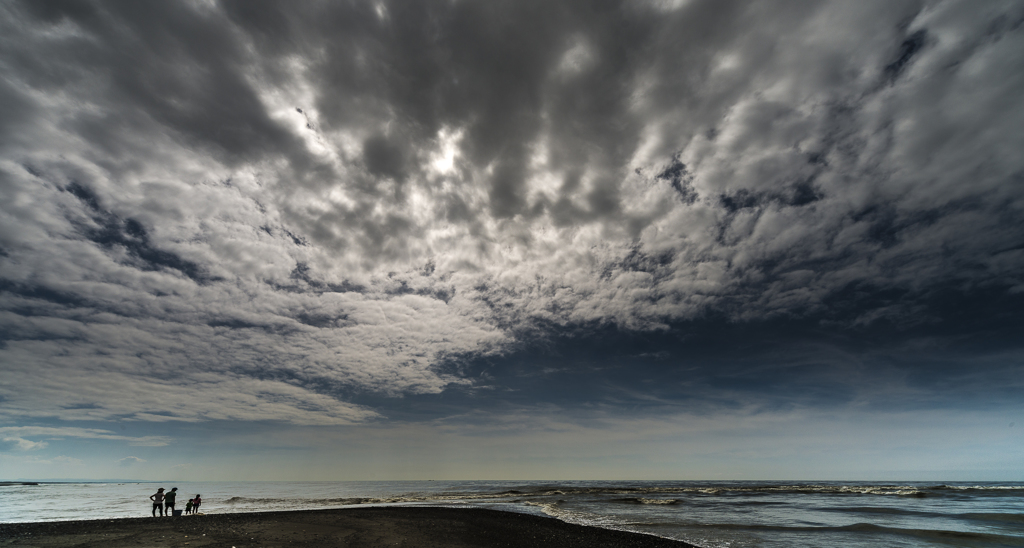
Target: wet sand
x,y
406,527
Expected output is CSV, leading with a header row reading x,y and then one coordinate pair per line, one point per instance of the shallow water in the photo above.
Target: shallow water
x,y
709,514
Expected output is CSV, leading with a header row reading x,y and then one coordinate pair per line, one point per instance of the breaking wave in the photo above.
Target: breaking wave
x,y
641,500
647,495
714,514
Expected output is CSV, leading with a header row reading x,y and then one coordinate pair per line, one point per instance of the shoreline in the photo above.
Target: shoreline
x,y
403,526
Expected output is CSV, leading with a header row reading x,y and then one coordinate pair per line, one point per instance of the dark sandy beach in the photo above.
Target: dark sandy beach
x,y
350,528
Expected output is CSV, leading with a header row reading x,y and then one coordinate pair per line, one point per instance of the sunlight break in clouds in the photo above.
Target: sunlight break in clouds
x,y
288,214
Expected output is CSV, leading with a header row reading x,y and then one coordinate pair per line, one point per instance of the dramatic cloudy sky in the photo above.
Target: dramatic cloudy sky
x,y
478,239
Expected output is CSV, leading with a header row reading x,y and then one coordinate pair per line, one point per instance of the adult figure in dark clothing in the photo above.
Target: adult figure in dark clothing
x,y
158,501
169,501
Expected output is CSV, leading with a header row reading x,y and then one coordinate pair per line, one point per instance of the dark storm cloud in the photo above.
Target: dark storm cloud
x,y
322,201
108,231
170,64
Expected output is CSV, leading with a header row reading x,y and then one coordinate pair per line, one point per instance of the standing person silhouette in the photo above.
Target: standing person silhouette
x,y
195,504
169,501
158,501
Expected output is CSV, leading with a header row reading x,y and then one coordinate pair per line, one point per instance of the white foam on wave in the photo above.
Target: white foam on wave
x,y
983,487
658,501
577,517
900,490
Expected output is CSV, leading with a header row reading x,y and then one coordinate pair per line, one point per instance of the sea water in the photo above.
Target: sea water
x,y
737,514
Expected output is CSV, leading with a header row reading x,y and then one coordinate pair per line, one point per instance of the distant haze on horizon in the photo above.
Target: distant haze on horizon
x,y
656,239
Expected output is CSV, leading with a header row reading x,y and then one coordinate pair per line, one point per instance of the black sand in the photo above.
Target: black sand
x,y
405,527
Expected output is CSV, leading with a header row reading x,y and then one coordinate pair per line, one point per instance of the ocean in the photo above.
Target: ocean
x,y
734,514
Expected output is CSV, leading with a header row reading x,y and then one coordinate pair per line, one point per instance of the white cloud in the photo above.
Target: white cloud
x,y
128,461
169,256
85,433
20,444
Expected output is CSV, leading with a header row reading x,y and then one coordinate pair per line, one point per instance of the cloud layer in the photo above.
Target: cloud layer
x,y
233,210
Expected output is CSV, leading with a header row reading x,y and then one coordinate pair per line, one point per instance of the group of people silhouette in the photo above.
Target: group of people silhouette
x,y
164,502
